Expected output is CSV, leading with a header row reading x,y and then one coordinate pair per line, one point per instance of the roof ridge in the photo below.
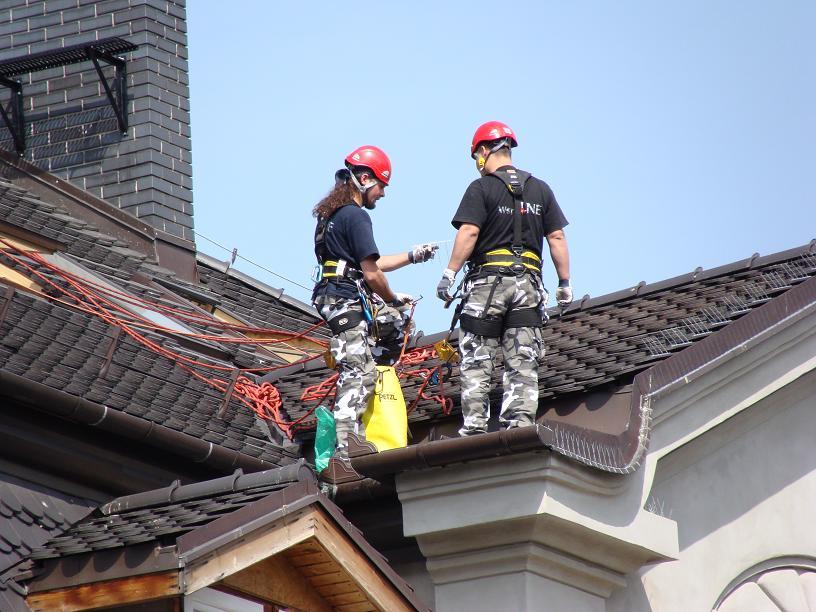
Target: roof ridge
x,y
237,481
251,281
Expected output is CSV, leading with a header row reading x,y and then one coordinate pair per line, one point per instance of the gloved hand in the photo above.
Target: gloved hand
x,y
445,283
401,301
422,253
563,295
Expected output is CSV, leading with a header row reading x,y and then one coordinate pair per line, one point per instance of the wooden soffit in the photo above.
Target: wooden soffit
x,y
304,560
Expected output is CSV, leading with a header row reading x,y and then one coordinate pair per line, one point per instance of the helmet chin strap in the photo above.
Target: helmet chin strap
x,y
363,189
482,161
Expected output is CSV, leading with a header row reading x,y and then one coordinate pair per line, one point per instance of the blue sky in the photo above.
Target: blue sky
x,y
674,134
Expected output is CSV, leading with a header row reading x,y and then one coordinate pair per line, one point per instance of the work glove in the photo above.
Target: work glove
x,y
422,253
445,283
563,295
402,302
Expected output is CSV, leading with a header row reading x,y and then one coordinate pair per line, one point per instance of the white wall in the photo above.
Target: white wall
x,y
742,493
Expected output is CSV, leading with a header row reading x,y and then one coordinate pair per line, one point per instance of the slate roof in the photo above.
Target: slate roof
x,y
162,516
597,342
81,239
29,516
254,301
69,351
78,353
607,340
167,513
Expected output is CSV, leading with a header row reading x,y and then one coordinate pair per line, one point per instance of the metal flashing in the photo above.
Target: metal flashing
x,y
683,367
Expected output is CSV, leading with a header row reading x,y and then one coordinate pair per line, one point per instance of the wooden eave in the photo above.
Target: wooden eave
x,y
118,592
317,565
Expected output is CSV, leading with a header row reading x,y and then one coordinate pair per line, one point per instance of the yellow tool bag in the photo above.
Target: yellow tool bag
x,y
385,419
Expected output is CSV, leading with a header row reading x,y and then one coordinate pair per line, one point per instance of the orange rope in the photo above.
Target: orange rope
x,y
263,399
193,317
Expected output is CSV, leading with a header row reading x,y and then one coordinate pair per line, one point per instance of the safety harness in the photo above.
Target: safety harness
x,y
513,260
330,267
339,270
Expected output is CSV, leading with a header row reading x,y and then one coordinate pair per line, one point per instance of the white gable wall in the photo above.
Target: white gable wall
x,y
734,459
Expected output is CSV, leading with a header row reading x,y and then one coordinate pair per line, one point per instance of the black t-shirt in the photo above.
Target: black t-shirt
x,y
350,236
489,205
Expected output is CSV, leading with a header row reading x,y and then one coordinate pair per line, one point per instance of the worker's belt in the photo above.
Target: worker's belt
x,y
493,327
345,321
341,269
523,317
507,259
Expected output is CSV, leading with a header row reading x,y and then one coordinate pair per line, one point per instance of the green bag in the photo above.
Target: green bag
x,y
325,438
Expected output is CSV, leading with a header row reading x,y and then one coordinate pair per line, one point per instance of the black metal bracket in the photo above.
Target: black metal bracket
x,y
13,115
118,95
103,50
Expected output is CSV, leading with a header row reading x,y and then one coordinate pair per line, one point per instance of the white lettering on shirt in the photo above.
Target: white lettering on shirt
x,y
527,208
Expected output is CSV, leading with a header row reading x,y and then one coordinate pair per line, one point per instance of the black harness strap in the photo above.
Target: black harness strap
x,y
320,236
490,295
494,326
515,180
345,321
523,317
491,327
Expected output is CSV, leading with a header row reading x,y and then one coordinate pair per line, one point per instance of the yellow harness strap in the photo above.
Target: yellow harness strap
x,y
504,257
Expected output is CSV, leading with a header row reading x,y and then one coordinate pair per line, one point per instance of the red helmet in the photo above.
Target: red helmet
x,y
373,158
492,130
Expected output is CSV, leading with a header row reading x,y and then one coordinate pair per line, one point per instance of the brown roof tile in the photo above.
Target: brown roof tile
x,y
29,516
609,339
198,517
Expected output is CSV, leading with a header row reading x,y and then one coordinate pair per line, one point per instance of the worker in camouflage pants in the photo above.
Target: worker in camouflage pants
x,y
351,352
520,346
351,271
502,222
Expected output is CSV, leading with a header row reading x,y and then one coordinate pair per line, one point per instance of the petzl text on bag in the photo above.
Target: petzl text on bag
x,y
385,419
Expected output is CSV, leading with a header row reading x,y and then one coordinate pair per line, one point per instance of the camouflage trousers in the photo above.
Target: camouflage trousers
x,y
351,350
521,348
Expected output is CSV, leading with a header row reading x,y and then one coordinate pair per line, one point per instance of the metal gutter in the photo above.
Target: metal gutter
x,y
453,450
237,481
79,410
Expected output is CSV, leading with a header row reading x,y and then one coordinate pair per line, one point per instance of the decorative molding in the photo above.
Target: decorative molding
x,y
526,557
546,468
785,581
536,514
